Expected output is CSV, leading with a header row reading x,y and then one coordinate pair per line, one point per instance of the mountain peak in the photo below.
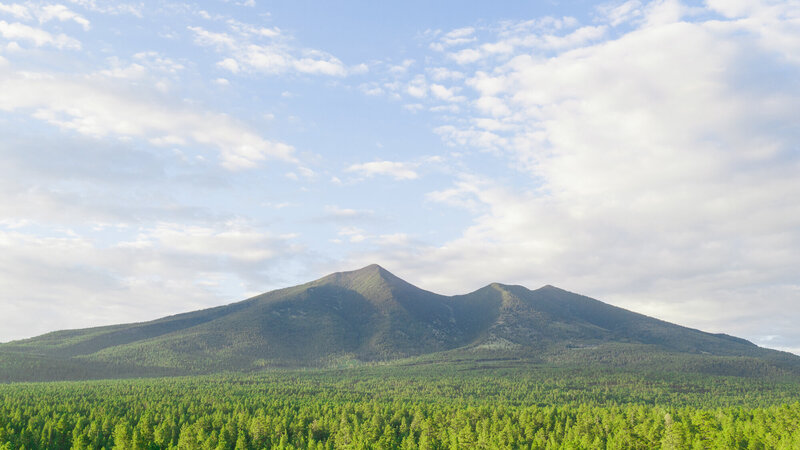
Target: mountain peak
x,y
364,274
550,287
371,281
370,270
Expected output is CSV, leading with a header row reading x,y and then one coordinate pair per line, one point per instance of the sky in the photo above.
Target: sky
x,y
162,157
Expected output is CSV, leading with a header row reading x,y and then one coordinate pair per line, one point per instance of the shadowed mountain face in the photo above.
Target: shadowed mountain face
x,y
363,315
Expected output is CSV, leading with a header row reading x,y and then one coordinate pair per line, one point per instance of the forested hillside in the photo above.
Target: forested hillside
x,y
367,316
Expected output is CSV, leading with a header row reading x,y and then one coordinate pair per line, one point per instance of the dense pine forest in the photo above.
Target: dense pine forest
x,y
411,407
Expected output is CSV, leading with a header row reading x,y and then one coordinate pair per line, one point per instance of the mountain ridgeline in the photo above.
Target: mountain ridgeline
x,y
370,315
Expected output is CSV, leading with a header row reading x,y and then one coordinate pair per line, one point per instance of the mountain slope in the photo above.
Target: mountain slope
x,y
549,315
360,316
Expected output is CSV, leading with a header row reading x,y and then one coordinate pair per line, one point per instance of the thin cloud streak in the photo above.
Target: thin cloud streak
x,y
99,109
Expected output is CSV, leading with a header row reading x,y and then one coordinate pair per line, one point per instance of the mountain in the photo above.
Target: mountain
x,y
370,315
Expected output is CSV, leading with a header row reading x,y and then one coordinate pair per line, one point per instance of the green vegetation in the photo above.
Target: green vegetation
x,y
455,405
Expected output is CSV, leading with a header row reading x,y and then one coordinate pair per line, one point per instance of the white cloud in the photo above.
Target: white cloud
x,y
230,241
418,87
242,28
130,72
245,50
316,62
353,234
230,65
493,125
306,172
773,23
98,109
37,36
617,14
481,138
111,7
455,37
396,170
158,62
371,89
44,13
394,239
451,108
466,56
402,67
446,94
63,14
16,10
460,195
737,8
443,73
359,69
545,34
334,212
208,38
664,12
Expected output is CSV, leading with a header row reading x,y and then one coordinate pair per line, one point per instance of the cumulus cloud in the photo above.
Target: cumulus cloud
x,y
393,169
665,180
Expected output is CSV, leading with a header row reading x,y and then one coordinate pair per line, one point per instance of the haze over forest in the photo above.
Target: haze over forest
x,y
160,157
